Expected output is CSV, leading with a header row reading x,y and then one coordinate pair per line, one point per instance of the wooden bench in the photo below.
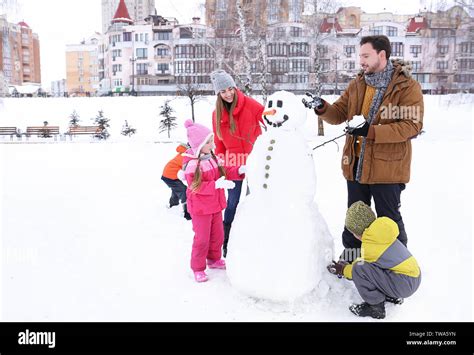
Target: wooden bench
x,y
10,131
75,130
42,131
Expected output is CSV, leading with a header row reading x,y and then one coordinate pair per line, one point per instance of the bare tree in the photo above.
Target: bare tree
x,y
319,10
192,91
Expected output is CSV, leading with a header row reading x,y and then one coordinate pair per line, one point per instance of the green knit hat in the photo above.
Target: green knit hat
x,y
359,217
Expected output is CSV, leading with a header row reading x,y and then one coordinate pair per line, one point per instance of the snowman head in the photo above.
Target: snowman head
x,y
284,111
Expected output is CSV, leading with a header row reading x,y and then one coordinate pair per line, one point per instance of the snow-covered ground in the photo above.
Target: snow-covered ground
x,y
86,236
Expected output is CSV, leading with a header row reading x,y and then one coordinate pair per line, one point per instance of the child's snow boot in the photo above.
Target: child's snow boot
x,y
364,309
216,264
398,301
200,276
186,213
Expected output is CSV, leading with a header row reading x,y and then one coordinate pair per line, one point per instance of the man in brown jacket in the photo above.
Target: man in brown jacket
x,y
377,156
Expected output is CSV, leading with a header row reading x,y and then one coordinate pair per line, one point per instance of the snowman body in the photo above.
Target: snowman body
x,y
279,243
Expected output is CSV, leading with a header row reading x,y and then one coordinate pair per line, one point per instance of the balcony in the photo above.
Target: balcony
x,y
163,72
163,58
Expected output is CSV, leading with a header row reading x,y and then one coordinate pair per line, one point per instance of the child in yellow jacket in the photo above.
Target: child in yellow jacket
x,y
385,271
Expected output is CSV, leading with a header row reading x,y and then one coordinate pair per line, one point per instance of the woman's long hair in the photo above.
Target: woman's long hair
x,y
198,174
220,107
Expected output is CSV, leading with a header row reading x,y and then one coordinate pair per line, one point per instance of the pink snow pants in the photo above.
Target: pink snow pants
x,y
208,239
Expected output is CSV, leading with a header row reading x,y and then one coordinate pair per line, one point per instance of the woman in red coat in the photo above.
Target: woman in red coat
x,y
236,124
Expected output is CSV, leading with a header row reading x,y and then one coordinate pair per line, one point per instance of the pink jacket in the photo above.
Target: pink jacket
x,y
207,199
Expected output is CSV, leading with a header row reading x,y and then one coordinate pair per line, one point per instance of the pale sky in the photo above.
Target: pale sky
x,y
61,22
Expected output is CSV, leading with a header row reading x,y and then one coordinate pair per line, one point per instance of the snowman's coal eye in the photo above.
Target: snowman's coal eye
x,y
270,104
279,103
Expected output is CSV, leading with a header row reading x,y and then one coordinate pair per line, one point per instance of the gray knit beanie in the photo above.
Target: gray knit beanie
x,y
221,80
359,217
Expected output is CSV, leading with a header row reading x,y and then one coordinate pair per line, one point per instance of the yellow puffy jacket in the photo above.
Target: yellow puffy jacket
x,y
381,247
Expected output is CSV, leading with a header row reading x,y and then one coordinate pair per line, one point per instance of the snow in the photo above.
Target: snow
x,y
86,235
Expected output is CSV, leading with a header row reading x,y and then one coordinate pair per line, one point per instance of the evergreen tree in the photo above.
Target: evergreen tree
x,y
74,119
169,122
128,130
103,123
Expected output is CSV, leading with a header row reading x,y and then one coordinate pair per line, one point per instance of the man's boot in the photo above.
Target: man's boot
x,y
226,238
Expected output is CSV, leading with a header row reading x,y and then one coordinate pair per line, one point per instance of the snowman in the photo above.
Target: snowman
x,y
279,244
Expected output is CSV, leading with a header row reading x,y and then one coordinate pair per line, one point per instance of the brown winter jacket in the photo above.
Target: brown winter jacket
x,y
387,156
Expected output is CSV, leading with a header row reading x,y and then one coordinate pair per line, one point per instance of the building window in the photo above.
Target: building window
x,y
162,36
392,31
277,50
297,79
299,65
142,53
296,10
442,65
467,47
273,10
324,64
221,5
415,50
416,66
185,32
349,50
349,65
464,78
116,53
465,64
299,49
117,82
322,50
296,31
443,49
280,32
117,68
162,51
397,49
142,68
278,65
163,68
377,31
422,78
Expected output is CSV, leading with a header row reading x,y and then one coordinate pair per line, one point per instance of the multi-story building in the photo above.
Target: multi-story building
x,y
19,53
82,66
289,48
137,9
58,88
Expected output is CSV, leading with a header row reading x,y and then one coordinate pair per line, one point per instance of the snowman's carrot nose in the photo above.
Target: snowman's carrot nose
x,y
269,112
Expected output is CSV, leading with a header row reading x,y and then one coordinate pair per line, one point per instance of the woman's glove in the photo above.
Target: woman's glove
x,y
242,170
222,183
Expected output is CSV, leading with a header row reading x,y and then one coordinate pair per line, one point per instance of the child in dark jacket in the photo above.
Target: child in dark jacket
x,y
386,270
171,179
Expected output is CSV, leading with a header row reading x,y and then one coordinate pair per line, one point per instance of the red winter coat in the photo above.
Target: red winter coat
x,y
235,148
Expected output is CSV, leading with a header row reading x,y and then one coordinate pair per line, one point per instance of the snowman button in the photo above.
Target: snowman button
x,y
265,186
272,141
270,148
267,176
267,167
269,157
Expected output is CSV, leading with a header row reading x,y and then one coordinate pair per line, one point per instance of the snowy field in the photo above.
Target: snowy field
x,y
86,236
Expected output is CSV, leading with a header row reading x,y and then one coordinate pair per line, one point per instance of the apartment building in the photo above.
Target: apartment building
x,y
19,53
82,67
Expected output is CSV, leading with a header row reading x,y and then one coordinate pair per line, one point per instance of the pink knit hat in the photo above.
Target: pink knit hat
x,y
198,135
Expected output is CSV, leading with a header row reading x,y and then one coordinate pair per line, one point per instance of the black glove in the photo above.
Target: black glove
x,y
315,102
337,268
362,131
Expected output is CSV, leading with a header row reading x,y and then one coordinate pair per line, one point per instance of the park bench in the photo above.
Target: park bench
x,y
42,131
9,131
75,130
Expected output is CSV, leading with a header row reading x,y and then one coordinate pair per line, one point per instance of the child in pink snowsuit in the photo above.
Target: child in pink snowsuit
x,y
207,179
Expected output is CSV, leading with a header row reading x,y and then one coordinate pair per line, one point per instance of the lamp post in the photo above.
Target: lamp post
x,y
336,58
133,60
